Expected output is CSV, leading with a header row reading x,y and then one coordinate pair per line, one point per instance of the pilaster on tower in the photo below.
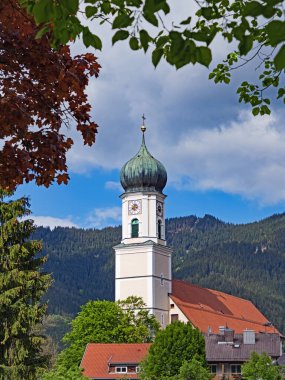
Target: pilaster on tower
x,y
143,260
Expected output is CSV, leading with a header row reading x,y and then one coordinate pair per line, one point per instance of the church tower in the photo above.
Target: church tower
x,y
143,260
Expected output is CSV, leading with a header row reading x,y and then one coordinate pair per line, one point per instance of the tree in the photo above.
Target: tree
x,y
193,370
104,322
22,284
173,346
42,93
260,367
255,26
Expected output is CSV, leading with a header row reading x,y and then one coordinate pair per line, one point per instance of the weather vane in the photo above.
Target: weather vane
x,y
143,127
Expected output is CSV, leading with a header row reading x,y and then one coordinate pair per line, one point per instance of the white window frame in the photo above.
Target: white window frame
x,y
120,369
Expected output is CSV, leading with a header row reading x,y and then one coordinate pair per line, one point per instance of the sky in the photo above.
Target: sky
x,y
220,159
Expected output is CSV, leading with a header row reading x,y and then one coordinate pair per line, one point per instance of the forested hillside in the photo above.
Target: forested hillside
x,y
245,260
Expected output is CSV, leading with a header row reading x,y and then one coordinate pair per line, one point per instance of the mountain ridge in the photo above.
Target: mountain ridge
x,y
246,260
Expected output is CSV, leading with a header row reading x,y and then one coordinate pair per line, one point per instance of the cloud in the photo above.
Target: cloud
x,y
49,221
128,86
245,157
112,185
102,217
196,128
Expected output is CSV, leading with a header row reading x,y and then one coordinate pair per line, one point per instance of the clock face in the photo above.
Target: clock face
x,y
159,208
135,207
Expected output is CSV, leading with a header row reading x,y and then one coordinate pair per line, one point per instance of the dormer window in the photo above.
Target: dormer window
x,y
121,369
135,228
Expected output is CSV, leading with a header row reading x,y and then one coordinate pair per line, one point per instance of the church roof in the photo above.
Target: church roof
x,y
99,358
209,309
143,172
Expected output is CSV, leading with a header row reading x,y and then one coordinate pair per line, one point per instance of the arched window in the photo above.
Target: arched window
x,y
135,228
159,229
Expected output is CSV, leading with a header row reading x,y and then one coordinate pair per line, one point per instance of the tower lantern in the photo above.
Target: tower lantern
x,y
143,260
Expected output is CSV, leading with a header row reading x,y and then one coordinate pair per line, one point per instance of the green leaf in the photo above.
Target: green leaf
x,y
43,11
255,111
162,41
122,21
134,44
120,35
253,8
156,56
90,39
187,21
153,6
106,7
276,32
279,59
145,39
177,43
71,5
245,44
42,32
269,11
207,12
151,18
203,55
90,11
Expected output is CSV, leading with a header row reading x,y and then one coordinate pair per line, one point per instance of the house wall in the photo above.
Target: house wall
x,y
224,372
174,310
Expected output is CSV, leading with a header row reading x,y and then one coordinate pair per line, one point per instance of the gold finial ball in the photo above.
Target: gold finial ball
x,y
143,128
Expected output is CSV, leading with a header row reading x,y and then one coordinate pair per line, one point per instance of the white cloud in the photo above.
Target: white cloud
x,y
49,221
128,86
245,157
102,217
195,128
112,185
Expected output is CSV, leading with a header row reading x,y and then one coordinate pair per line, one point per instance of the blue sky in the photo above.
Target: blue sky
x,y
220,159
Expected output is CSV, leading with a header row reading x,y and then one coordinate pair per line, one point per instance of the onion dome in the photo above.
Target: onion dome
x,y
143,172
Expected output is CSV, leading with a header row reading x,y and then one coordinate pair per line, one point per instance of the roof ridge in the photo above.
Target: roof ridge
x,y
213,290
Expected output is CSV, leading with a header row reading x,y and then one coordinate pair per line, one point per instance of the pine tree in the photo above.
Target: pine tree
x,y
22,285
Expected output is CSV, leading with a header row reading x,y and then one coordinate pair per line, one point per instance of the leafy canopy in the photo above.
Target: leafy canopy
x,y
256,27
193,370
42,91
260,367
176,344
104,322
22,285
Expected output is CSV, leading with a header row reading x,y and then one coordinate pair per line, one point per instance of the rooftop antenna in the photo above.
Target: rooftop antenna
x,y
143,127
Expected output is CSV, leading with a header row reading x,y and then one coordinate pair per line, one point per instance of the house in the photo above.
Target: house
x,y
227,351
113,361
225,354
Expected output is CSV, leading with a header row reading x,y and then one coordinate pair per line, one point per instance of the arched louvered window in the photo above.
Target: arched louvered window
x,y
159,229
135,228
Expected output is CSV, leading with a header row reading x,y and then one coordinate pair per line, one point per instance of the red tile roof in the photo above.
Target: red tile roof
x,y
98,357
210,308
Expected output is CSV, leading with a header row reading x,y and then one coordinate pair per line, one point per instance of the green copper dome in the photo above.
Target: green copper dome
x,y
143,172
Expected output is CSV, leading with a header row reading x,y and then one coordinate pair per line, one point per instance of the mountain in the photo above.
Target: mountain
x,y
246,260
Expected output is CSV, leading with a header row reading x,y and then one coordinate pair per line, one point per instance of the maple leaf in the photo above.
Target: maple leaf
x,y
41,91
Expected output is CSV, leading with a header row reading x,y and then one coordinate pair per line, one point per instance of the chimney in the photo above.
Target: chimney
x,y
248,337
229,335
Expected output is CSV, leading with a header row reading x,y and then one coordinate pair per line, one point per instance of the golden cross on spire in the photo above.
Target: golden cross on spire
x,y
143,127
